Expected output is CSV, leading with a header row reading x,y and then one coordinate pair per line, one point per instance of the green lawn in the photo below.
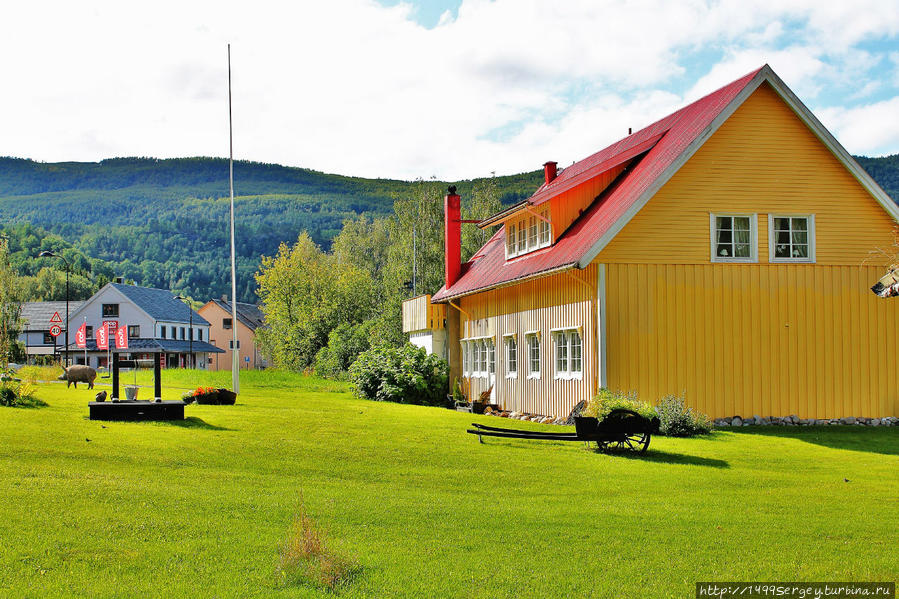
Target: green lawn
x,y
198,509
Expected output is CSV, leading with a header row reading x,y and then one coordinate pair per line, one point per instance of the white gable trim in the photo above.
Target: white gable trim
x,y
125,299
764,74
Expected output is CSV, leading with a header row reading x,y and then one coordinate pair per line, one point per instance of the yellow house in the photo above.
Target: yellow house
x,y
726,251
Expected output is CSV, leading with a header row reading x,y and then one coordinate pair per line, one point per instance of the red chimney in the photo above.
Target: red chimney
x,y
549,172
452,209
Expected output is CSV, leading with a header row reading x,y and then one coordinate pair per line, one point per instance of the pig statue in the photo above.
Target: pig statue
x,y
79,373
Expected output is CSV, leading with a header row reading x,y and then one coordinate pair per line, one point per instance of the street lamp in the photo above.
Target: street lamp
x,y
49,254
190,327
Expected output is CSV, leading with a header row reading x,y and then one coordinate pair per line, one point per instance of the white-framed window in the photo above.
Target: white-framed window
x,y
533,344
511,348
533,236
478,357
568,349
734,237
546,233
528,233
791,238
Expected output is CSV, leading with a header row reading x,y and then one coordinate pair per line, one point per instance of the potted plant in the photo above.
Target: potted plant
x,y
460,402
479,405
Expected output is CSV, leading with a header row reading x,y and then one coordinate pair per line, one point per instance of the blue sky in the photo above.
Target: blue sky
x,y
387,88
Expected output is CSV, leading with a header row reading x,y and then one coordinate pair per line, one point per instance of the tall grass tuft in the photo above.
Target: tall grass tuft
x,y
34,374
306,558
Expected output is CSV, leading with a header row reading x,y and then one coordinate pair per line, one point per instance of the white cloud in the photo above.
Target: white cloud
x,y
870,130
353,87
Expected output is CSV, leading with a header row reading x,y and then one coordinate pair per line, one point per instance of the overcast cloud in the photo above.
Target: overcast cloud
x,y
359,88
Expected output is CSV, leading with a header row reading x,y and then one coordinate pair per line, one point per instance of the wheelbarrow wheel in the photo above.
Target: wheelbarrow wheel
x,y
637,442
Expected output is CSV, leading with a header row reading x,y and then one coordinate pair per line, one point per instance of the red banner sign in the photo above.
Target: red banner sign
x,y
81,336
121,338
102,337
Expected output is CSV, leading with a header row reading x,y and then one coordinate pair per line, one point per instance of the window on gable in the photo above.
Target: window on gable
x,y
528,233
110,310
134,331
226,323
511,239
545,228
734,238
791,238
568,347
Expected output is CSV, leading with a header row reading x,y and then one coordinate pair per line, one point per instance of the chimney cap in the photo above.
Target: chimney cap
x,y
550,162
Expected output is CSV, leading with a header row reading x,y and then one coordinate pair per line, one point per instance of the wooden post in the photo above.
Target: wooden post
x,y
115,375
157,379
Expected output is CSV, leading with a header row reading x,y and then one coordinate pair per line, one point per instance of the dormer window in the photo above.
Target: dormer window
x,y
528,233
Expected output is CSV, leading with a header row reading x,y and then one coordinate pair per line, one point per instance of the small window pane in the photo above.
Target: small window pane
x,y
522,238
741,223
741,250
511,240
545,232
575,338
724,223
800,224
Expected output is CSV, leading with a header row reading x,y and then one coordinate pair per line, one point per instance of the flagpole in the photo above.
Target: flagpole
x,y
235,353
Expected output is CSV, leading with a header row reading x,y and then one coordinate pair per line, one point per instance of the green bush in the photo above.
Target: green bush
x,y
678,420
345,343
605,401
15,393
404,375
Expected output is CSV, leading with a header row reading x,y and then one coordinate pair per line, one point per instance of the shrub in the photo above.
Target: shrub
x,y
605,401
678,420
345,343
306,559
407,374
18,394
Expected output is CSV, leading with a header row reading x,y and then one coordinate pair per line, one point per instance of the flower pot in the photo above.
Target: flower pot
x,y
131,392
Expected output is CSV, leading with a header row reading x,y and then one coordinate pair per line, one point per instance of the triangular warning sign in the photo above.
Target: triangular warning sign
x,y
56,317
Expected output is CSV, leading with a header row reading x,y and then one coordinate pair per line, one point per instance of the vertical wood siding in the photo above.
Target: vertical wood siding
x,y
554,302
765,339
419,314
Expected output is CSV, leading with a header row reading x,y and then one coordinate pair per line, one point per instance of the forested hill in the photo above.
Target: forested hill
x,y
164,223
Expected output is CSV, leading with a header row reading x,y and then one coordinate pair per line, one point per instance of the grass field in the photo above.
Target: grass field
x,y
200,508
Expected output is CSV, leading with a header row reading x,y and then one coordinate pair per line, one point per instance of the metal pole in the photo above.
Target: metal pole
x,y
414,263
190,325
67,312
235,354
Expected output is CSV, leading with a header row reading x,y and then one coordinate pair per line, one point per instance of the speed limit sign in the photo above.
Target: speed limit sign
x,y
55,330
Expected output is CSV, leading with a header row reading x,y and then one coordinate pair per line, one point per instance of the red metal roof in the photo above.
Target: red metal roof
x,y
662,142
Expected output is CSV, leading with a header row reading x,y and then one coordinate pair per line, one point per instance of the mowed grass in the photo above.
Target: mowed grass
x,y
201,508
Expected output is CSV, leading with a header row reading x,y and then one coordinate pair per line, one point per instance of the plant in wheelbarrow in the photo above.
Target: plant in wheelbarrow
x,y
617,422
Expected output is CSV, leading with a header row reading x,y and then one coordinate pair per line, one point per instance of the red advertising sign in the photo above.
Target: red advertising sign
x,y
102,337
121,338
112,325
81,336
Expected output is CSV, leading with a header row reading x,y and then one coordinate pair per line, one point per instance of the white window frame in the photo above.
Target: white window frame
x,y
534,374
508,341
810,219
568,372
753,237
528,233
476,357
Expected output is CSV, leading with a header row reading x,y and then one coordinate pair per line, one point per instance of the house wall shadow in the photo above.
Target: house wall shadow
x,y
871,439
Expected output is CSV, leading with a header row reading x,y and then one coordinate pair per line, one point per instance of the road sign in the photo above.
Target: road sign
x,y
55,330
56,317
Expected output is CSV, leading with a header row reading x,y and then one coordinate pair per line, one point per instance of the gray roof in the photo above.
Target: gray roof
x,y
249,314
160,304
37,315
